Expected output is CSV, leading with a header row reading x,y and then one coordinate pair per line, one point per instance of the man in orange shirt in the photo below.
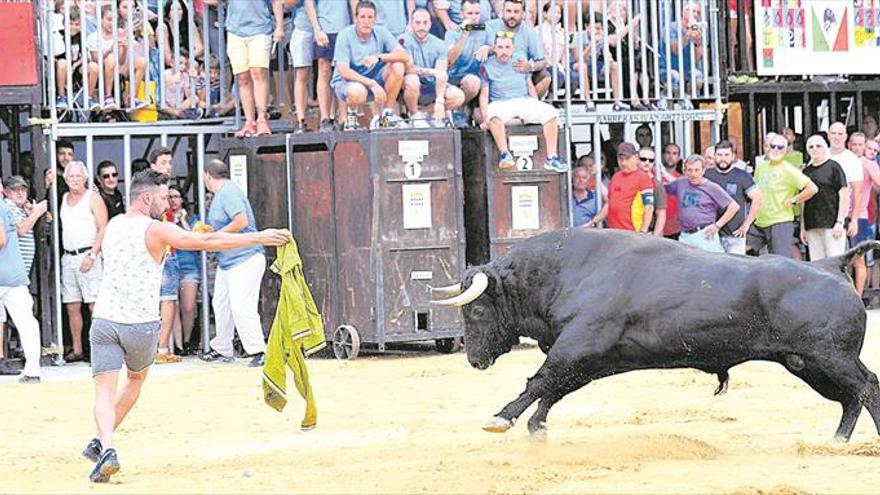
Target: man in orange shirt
x,y
630,203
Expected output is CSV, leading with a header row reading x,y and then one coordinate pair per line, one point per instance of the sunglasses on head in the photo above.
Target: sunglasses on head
x,y
107,176
505,34
777,146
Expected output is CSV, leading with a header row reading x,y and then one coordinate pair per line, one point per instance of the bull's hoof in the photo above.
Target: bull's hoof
x,y
538,435
498,425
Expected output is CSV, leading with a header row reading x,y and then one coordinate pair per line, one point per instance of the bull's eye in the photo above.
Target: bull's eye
x,y
477,312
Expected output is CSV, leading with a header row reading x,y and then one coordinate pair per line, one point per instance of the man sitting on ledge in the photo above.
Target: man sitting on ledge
x,y
508,94
370,65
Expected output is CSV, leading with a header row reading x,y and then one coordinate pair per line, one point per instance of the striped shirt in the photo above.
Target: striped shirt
x,y
26,244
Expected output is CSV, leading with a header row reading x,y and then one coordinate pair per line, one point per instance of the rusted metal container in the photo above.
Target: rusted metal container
x,y
306,207
506,206
399,230
378,220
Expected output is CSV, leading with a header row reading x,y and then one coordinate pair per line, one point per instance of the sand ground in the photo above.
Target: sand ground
x,y
411,424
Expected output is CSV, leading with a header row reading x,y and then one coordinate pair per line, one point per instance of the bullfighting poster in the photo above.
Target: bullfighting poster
x,y
809,37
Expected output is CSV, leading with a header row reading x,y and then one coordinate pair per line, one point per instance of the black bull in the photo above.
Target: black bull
x,y
600,303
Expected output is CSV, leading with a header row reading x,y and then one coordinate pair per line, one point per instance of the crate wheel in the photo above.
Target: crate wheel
x,y
346,342
448,346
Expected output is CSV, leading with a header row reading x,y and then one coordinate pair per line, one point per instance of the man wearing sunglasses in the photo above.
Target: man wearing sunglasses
x,y
527,44
108,187
782,187
647,163
509,94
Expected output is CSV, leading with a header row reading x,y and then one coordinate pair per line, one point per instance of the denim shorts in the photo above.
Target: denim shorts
x,y
188,275
170,279
189,267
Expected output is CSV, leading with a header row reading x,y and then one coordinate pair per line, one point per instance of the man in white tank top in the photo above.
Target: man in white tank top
x,y
84,217
125,325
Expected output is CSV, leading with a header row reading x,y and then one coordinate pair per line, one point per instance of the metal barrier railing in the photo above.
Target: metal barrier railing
x,y
646,52
196,160
126,54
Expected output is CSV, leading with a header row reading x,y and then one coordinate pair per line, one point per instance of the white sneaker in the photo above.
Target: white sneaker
x,y
419,120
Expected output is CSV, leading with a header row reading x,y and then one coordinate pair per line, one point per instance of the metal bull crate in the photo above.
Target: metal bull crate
x,y
378,219
506,206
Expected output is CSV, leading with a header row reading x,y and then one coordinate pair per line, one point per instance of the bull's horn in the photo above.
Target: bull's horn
x,y
448,291
478,286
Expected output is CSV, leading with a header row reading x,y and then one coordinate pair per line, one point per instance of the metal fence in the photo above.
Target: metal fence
x,y
647,52
134,54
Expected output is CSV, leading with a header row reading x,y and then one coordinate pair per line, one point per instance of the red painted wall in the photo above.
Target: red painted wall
x,y
17,45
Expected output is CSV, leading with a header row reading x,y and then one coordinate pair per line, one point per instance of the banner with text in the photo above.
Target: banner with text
x,y
810,37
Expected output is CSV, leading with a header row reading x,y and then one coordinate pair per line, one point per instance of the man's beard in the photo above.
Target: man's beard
x,y
723,166
156,215
511,23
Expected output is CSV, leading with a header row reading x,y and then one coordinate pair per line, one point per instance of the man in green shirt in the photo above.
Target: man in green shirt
x,y
783,186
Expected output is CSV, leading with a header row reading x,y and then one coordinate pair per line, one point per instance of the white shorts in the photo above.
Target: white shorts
x,y
77,286
528,110
250,52
734,245
302,51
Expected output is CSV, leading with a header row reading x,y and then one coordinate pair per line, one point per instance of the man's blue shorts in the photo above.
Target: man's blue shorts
x,y
170,279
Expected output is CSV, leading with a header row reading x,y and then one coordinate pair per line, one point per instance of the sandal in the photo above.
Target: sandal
x,y
73,357
246,131
262,128
166,358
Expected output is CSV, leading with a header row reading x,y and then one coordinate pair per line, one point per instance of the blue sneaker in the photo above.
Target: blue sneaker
x,y
61,103
107,466
93,450
555,164
506,161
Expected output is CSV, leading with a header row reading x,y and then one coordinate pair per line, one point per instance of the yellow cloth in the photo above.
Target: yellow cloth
x,y
297,332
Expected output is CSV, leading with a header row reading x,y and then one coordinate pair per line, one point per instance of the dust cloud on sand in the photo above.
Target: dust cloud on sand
x,y
411,424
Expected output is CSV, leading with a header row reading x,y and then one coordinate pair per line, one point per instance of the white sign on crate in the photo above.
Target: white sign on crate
x,y
412,151
525,207
416,206
238,172
523,147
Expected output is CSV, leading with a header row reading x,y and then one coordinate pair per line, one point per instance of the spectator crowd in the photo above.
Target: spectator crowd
x,y
85,208
416,63
799,206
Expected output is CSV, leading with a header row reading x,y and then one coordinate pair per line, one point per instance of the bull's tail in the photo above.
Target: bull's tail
x,y
842,262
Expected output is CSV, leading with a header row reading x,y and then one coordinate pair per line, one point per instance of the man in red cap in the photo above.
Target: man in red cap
x,y
630,203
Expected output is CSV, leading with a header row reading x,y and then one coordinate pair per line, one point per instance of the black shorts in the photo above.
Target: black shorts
x,y
325,52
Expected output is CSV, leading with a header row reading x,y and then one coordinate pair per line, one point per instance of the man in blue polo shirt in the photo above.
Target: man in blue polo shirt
x,y
240,271
467,49
392,14
528,47
331,17
450,13
370,64
426,76
509,94
16,298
